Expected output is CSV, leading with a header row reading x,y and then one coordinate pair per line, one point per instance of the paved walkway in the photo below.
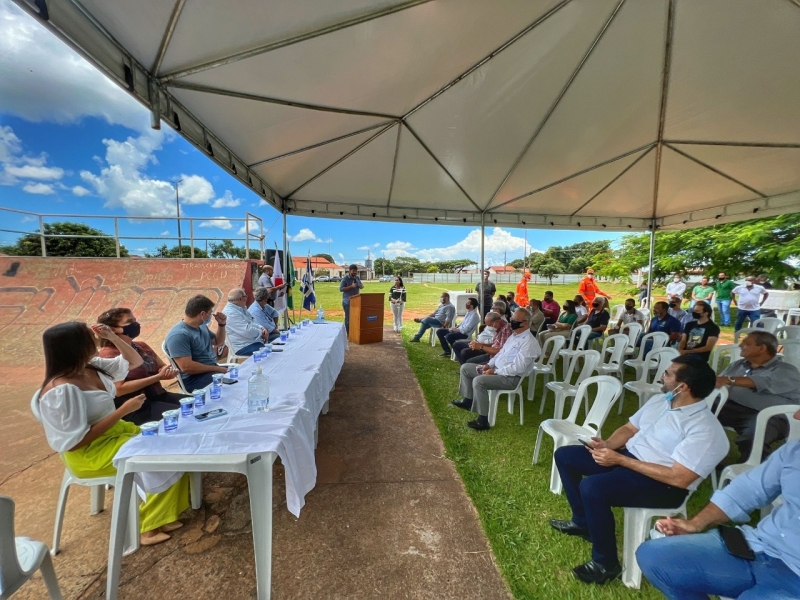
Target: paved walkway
x,y
389,516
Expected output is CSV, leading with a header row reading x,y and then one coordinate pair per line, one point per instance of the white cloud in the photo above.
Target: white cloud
x,y
255,227
80,191
42,79
10,144
227,201
304,235
398,248
219,223
376,245
165,232
195,190
341,256
35,172
364,248
496,245
39,188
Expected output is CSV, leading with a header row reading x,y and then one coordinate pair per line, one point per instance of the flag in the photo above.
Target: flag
x,y
309,298
291,280
277,279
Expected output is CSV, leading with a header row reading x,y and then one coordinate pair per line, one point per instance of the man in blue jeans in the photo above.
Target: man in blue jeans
x,y
672,443
690,565
749,302
443,316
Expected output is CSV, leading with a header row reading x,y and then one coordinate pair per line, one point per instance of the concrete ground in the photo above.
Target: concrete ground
x,y
389,516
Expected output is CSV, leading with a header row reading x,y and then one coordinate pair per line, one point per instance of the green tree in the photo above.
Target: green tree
x,y
516,263
327,257
185,252
383,266
549,268
454,266
321,272
407,264
226,249
30,244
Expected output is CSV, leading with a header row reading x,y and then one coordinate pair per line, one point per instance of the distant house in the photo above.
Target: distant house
x,y
502,270
317,263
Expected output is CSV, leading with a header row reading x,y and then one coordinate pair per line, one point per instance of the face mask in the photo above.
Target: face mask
x,y
490,329
697,315
564,308
207,322
595,306
441,300
670,396
132,330
515,324
749,284
676,280
722,278
629,308
590,276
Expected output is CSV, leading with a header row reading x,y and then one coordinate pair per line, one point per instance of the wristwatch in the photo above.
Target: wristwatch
x,y
732,380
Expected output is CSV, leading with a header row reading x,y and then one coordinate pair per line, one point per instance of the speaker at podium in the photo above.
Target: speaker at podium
x,y
366,318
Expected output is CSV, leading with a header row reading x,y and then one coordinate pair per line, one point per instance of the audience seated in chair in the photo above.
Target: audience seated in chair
x,y
443,316
463,331
502,372
630,315
245,335
689,564
671,444
598,317
264,314
757,380
700,335
481,350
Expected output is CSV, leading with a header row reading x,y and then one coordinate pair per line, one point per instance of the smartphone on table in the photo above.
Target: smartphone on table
x,y
212,414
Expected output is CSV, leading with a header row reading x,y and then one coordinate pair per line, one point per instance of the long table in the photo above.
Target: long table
x,y
301,379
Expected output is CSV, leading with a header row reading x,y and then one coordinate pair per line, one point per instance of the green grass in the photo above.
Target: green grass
x,y
512,496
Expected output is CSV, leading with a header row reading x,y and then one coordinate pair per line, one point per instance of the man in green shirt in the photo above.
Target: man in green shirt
x,y
724,287
703,292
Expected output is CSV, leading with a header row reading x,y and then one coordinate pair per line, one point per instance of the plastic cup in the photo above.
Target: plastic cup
x,y
150,428
233,372
199,398
171,420
293,329
284,336
187,407
217,378
257,356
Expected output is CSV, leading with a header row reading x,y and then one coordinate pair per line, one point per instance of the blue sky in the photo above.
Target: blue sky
x,y
72,142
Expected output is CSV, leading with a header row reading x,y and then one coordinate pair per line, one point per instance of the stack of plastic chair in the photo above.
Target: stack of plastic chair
x,y
791,352
21,557
657,339
577,343
612,355
789,332
566,388
565,432
721,350
546,366
645,387
731,471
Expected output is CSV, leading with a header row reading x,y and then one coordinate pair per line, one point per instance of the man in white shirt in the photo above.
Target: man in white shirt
x,y
676,289
671,444
749,302
631,315
264,315
246,336
464,330
502,372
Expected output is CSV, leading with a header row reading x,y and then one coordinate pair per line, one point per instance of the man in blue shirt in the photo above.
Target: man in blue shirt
x,y
664,322
349,286
696,565
266,316
443,316
468,324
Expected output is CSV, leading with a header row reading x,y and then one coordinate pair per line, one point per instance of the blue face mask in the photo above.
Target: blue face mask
x,y
670,396
207,322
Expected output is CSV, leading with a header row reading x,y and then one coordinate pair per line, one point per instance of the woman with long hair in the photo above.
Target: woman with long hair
x,y
145,378
563,325
397,300
76,407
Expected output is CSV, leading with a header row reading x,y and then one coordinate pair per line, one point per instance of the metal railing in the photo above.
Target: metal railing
x,y
253,230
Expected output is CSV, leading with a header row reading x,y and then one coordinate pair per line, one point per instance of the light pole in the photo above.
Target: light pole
x,y
178,208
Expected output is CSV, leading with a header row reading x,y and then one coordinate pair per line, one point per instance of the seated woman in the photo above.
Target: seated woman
x,y
564,324
76,406
537,316
580,308
145,378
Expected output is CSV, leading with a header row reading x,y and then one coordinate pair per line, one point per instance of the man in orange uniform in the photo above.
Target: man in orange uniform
x,y
588,288
522,289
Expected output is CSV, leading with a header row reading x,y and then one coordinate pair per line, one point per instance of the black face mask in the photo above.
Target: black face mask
x,y
515,324
132,330
697,315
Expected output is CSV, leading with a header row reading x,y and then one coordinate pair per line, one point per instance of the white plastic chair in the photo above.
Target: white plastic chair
x,y
494,400
637,524
578,339
737,335
21,557
231,354
565,432
770,324
789,332
731,350
612,355
792,316
644,388
657,339
552,346
433,335
175,366
731,471
632,330
716,400
565,389
791,352
616,313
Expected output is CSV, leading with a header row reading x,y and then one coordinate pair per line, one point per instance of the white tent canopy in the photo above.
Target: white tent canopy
x,y
615,114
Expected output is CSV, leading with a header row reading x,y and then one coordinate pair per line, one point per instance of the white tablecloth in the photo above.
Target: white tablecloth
x,y
301,378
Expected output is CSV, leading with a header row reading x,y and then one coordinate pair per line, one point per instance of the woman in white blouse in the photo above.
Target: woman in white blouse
x,y
76,406
397,300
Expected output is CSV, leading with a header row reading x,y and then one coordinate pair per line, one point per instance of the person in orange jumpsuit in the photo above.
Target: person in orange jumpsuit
x,y
588,288
521,295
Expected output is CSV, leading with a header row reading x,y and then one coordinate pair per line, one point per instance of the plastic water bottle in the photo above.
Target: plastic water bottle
x,y
320,313
258,392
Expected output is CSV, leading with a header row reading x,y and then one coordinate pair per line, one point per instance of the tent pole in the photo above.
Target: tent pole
x,y
480,275
285,269
650,265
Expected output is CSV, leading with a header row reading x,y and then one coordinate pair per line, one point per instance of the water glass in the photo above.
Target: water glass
x,y
199,398
187,407
150,428
171,420
257,356
233,372
293,329
284,336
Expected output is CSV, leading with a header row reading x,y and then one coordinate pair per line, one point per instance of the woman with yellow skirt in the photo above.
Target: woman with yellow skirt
x,y
76,406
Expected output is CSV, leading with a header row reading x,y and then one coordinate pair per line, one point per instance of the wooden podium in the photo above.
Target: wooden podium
x,y
366,318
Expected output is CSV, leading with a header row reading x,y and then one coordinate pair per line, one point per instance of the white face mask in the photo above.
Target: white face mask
x,y
676,279
490,329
